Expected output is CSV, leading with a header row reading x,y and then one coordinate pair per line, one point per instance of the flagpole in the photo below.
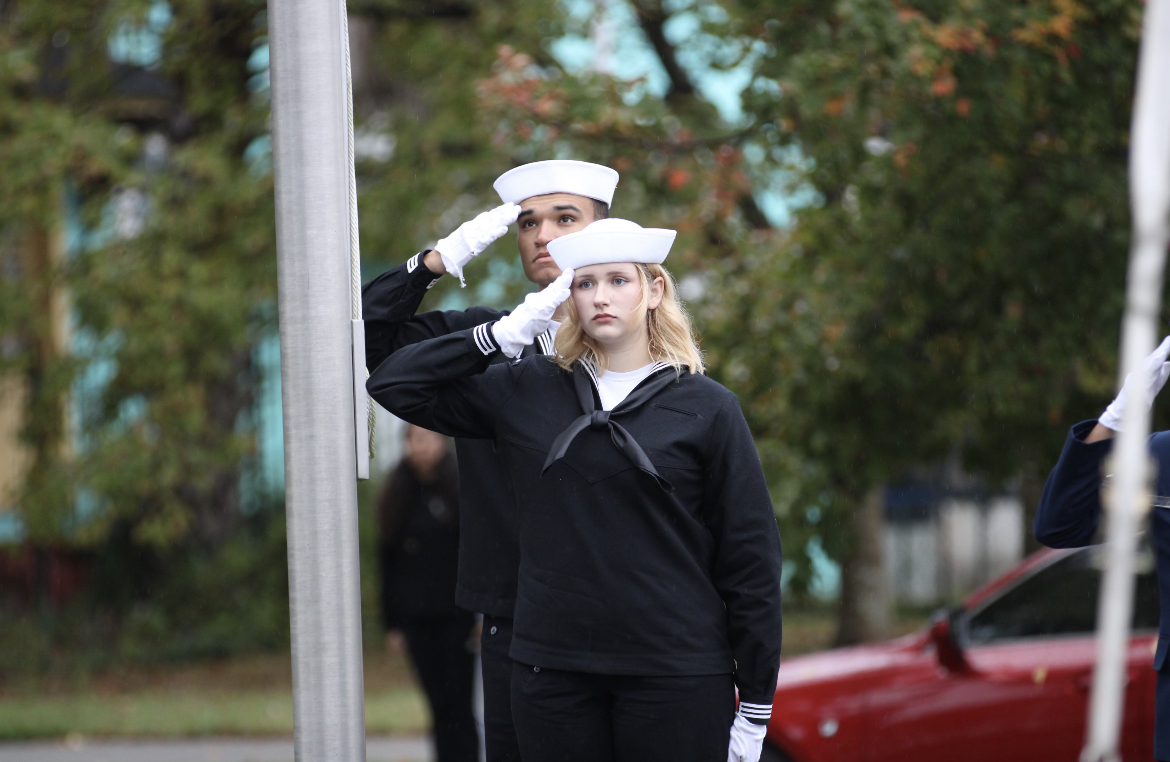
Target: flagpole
x,y
310,152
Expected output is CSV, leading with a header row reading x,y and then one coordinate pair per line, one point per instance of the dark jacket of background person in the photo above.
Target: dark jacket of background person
x,y
1070,514
418,521
419,544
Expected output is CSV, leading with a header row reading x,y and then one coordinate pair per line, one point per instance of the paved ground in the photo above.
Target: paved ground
x,y
378,749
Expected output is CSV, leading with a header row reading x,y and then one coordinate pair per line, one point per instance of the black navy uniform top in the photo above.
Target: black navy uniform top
x,y
1069,516
650,547
488,544
489,550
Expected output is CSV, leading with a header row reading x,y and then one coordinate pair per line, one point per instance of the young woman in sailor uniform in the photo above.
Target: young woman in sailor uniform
x,y
649,586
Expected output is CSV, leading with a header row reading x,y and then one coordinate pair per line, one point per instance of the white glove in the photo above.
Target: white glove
x,y
1157,371
519,329
472,237
747,740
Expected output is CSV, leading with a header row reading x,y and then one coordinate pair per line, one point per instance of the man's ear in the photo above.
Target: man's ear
x,y
657,288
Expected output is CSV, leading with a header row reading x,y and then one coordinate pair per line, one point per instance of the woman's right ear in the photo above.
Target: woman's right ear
x,y
657,289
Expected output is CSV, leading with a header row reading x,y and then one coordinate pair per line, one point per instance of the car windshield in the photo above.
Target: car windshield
x,y
1060,599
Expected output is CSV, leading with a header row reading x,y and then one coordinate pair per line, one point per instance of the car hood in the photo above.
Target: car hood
x,y
851,662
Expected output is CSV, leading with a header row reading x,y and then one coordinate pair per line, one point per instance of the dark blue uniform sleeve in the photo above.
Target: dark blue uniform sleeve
x,y
1070,508
748,559
389,304
447,384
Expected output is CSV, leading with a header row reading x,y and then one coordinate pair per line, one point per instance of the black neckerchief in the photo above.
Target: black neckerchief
x,y
602,419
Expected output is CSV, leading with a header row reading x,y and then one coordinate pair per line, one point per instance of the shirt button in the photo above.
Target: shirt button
x,y
536,669
493,630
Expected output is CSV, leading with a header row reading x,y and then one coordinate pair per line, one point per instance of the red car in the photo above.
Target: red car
x,y
1003,678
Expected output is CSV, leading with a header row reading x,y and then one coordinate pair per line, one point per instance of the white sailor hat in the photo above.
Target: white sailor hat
x,y
557,176
611,240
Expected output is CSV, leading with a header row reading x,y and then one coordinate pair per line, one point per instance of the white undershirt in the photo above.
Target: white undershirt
x,y
615,387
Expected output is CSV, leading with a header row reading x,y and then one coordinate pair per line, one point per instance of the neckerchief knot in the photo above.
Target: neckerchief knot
x,y
600,420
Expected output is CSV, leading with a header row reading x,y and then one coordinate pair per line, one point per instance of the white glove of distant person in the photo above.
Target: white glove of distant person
x,y
747,740
519,329
472,237
1157,371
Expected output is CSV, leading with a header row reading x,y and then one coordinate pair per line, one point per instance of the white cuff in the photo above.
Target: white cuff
x,y
453,268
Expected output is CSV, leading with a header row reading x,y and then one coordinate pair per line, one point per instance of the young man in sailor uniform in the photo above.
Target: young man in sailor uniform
x,y
1070,510
650,563
546,199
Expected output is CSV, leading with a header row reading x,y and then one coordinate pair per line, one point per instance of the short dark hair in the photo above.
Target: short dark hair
x,y
600,209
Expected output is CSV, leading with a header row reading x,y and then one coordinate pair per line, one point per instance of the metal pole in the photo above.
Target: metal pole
x,y
309,129
1127,498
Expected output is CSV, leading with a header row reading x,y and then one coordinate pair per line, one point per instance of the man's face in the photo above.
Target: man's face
x,y
543,218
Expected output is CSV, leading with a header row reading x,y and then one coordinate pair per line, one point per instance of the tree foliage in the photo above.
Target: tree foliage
x,y
957,293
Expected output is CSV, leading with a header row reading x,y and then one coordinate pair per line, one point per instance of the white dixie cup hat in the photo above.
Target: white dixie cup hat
x,y
557,176
611,240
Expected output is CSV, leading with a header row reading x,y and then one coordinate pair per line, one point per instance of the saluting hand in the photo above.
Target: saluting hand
x,y
1157,371
474,236
517,330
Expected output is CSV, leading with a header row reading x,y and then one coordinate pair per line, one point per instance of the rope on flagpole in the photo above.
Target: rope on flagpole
x,y
355,256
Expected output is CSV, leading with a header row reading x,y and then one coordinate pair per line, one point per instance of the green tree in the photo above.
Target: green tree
x,y
956,295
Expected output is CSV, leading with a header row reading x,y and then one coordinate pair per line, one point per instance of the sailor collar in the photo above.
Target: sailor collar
x,y
598,420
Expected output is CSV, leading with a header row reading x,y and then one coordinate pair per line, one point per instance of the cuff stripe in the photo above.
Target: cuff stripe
x,y
412,263
546,343
483,338
755,711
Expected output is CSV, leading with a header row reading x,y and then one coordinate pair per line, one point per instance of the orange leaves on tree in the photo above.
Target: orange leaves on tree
x,y
903,154
1054,33
907,14
963,107
967,39
677,178
944,82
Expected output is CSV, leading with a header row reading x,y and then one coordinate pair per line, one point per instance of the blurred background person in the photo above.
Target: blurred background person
x,y
418,549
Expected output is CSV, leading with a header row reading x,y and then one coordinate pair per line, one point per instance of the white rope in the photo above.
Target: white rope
x,y
355,249
355,252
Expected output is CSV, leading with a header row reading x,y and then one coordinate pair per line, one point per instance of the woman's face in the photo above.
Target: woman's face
x,y
608,301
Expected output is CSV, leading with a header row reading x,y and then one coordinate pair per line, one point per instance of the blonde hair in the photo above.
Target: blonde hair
x,y
672,339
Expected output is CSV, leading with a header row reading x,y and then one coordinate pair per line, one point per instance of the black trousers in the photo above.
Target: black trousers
x,y
499,732
581,717
446,669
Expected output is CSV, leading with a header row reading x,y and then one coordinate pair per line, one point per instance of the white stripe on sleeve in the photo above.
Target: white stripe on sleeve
x,y
755,711
484,339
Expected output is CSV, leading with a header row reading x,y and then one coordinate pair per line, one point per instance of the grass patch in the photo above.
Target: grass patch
x,y
250,696
395,711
